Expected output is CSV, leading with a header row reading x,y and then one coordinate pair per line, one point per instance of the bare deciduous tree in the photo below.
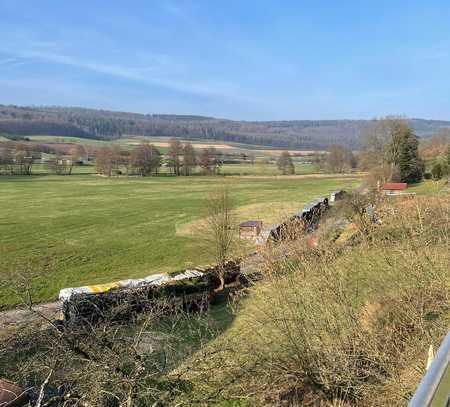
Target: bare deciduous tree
x,y
145,159
391,145
77,153
175,153
189,159
6,159
210,161
23,159
219,229
339,159
285,164
104,161
118,362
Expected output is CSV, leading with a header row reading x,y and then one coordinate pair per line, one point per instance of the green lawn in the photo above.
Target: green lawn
x,y
42,169
226,169
265,169
428,187
83,229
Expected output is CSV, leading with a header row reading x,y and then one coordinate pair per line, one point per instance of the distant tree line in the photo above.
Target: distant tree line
x,y
17,158
100,124
145,159
391,151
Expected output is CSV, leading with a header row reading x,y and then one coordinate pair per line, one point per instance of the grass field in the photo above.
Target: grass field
x,y
226,169
83,229
264,158
429,187
127,142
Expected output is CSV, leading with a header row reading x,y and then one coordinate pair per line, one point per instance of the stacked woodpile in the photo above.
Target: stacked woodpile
x,y
304,220
190,289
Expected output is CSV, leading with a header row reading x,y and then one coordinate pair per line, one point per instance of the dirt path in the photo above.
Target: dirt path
x,y
12,319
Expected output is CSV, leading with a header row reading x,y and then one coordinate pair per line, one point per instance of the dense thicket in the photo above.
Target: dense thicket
x,y
305,134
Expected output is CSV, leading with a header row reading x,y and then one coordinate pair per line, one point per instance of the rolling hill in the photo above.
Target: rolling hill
x,y
109,125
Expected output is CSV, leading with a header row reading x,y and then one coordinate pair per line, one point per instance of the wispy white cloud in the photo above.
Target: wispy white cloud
x,y
140,65
157,74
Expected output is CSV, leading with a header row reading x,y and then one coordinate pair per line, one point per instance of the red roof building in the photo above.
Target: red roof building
x,y
394,187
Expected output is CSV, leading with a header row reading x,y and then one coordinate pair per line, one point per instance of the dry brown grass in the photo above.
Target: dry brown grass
x,y
269,213
344,326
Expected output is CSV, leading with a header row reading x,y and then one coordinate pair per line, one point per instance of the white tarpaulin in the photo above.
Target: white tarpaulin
x,y
156,279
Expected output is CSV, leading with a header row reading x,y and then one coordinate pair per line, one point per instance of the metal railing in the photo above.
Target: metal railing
x,y
434,388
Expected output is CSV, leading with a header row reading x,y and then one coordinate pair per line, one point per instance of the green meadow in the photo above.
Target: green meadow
x,y
62,231
226,169
429,187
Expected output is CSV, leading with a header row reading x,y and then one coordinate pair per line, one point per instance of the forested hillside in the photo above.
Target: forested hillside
x,y
102,124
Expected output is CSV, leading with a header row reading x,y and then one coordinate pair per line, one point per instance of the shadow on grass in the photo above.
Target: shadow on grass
x,y
173,339
194,330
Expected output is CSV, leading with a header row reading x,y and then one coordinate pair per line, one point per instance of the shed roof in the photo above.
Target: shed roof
x,y
251,223
395,186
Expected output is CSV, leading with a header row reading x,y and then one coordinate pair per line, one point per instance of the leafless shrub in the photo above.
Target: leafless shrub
x,y
326,326
218,233
348,326
111,363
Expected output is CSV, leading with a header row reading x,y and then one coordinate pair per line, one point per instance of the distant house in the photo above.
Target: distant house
x,y
394,188
250,229
65,161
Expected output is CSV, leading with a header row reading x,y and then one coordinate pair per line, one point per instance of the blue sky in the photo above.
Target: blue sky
x,y
243,59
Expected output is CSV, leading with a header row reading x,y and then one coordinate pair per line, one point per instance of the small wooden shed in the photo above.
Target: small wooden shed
x,y
250,229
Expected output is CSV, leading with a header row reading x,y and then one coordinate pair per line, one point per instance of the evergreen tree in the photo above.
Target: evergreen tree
x,y
403,153
437,171
446,162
